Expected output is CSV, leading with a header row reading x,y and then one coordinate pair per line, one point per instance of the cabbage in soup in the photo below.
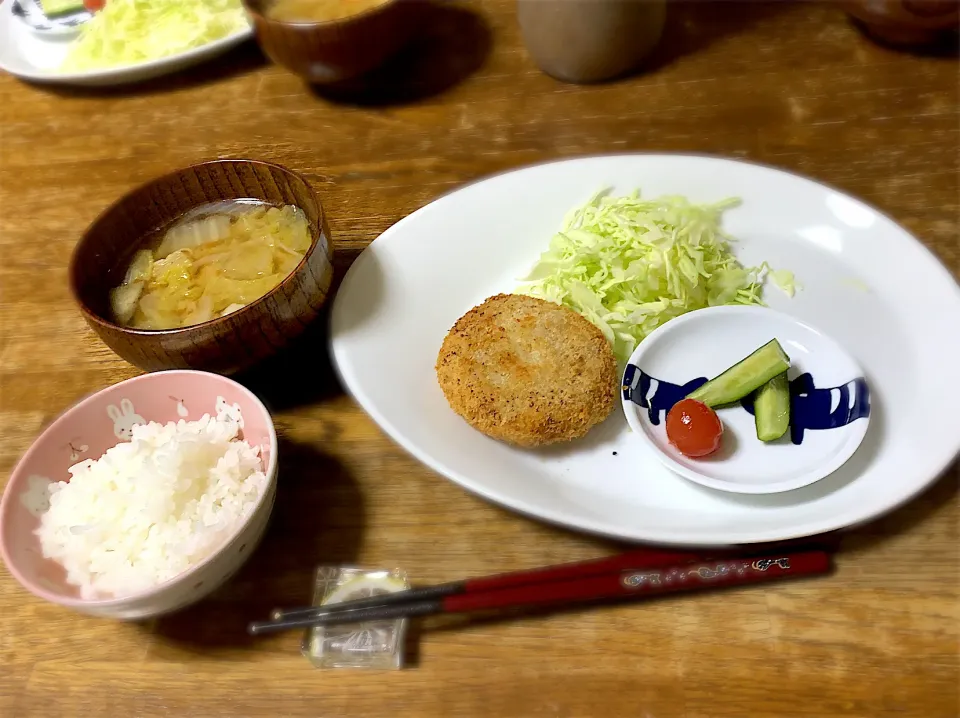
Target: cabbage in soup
x,y
210,263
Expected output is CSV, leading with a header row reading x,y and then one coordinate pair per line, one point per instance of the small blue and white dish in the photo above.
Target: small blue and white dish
x,y
829,407
65,24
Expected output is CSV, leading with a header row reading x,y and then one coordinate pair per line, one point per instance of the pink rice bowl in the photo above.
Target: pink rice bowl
x,y
86,431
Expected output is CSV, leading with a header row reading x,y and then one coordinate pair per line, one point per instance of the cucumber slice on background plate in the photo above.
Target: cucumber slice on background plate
x,y
51,8
49,18
771,408
744,377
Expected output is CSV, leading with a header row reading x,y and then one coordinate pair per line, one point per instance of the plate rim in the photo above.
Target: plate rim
x,y
122,74
732,535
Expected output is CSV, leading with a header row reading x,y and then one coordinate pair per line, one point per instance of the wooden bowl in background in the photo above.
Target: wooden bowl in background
x,y
907,23
330,52
226,344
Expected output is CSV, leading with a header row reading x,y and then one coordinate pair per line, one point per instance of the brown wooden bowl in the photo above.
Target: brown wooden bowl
x,y
330,52
906,22
226,344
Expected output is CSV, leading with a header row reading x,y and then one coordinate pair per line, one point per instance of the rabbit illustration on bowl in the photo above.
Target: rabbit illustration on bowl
x,y
124,419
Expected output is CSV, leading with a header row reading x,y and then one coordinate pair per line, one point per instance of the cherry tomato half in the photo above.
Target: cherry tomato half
x,y
694,428
94,5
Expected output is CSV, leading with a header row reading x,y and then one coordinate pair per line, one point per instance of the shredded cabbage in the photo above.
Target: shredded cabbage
x,y
629,265
127,32
783,279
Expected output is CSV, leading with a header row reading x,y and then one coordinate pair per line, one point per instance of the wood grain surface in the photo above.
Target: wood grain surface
x,y
789,84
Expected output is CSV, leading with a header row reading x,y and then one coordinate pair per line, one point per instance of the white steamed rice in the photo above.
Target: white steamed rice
x,y
154,506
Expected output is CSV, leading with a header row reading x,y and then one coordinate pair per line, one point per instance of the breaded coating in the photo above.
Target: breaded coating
x,y
527,371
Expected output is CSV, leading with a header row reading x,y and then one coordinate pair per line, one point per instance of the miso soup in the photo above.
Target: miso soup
x,y
210,263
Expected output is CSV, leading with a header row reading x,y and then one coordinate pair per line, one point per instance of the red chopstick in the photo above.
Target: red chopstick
x,y
646,581
636,559
643,558
615,583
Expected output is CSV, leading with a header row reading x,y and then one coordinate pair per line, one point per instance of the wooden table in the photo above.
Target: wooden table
x,y
792,85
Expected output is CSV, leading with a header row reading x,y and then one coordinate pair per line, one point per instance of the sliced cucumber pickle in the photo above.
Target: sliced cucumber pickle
x,y
744,377
771,408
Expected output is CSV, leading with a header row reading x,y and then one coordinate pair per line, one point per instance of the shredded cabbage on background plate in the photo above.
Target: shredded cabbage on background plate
x,y
629,265
127,32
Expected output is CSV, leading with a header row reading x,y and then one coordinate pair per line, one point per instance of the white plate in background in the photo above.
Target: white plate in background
x,y
36,57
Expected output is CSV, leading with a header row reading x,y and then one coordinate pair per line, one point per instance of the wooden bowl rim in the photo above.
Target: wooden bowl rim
x,y
85,239
307,24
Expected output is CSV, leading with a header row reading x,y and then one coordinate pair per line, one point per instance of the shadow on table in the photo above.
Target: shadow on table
x,y
453,44
240,60
318,518
302,373
943,46
936,499
692,27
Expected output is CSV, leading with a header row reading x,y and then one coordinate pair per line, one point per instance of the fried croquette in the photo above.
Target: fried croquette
x,y
527,371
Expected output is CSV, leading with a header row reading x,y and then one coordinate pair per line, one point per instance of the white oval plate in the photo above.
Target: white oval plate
x,y
865,280
830,413
37,57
